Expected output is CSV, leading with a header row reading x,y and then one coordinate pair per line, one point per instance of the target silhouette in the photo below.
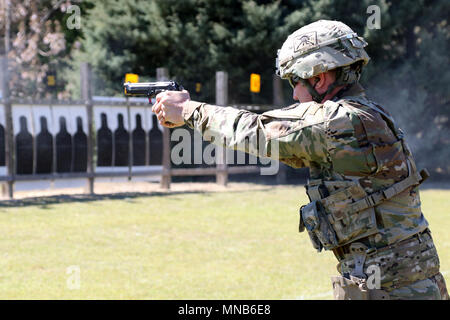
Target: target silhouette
x,y
44,146
80,148
24,149
2,146
121,143
155,143
138,137
104,143
63,148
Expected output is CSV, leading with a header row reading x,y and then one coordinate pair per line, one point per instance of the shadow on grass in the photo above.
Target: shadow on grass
x,y
44,201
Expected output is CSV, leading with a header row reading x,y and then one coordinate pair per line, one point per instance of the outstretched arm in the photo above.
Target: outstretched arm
x,y
285,136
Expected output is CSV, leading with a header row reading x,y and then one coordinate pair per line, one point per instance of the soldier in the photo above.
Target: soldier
x,y
363,185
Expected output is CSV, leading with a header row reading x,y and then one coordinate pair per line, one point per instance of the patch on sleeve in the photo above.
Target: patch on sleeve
x,y
278,129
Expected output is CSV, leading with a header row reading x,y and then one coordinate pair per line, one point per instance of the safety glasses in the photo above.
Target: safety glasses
x,y
293,81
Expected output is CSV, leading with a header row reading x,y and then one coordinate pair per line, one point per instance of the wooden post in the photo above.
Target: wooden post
x,y
9,134
278,102
162,74
54,158
130,141
221,100
277,91
86,95
147,110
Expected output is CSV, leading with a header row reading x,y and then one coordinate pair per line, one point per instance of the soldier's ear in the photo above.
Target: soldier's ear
x,y
318,81
321,82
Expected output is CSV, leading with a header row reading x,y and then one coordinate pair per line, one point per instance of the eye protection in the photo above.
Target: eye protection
x,y
293,81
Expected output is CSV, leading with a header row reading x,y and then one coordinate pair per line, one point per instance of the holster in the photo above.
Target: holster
x,y
355,289
314,219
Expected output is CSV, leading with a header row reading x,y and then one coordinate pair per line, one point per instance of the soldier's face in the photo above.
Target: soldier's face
x,y
301,94
320,83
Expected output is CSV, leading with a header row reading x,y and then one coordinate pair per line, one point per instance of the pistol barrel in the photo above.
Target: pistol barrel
x,y
149,89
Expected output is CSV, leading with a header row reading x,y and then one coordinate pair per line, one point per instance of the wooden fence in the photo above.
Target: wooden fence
x,y
91,108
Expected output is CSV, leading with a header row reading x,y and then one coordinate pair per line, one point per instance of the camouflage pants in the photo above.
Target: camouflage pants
x,y
433,288
408,270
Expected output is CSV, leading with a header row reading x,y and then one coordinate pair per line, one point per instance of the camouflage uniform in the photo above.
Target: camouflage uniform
x,y
363,187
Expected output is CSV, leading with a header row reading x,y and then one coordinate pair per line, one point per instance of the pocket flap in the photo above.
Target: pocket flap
x,y
310,217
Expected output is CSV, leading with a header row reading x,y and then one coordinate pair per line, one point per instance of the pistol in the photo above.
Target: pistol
x,y
150,89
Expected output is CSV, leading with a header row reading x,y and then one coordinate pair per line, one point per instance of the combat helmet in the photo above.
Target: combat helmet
x,y
319,47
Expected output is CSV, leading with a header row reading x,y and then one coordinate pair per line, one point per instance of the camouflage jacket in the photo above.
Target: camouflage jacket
x,y
349,143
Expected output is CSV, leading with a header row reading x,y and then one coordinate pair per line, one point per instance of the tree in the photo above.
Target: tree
x,y
408,73
193,38
39,41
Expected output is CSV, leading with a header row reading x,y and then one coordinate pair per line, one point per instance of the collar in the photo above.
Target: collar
x,y
351,90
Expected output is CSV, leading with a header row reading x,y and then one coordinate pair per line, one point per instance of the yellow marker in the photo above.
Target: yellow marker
x,y
131,77
255,82
198,87
51,81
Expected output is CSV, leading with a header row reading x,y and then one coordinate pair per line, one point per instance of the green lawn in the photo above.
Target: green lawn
x,y
228,245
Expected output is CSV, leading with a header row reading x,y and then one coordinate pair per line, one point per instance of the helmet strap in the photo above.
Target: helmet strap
x,y
344,76
317,97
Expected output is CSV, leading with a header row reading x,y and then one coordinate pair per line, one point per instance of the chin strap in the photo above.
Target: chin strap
x,y
317,97
344,76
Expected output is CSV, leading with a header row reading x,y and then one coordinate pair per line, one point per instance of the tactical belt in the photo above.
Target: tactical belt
x,y
421,243
344,251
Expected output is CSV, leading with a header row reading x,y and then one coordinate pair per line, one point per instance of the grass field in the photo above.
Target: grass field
x,y
220,245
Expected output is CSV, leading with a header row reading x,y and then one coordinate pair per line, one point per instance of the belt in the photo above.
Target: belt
x,y
372,248
419,243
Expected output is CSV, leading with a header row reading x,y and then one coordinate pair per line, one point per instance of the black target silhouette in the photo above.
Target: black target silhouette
x,y
63,148
44,148
121,144
155,143
240,157
138,143
2,146
104,143
80,148
24,149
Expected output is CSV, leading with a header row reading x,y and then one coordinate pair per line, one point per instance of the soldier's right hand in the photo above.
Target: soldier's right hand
x,y
169,107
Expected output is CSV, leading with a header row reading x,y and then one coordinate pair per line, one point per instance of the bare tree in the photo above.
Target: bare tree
x,y
34,42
